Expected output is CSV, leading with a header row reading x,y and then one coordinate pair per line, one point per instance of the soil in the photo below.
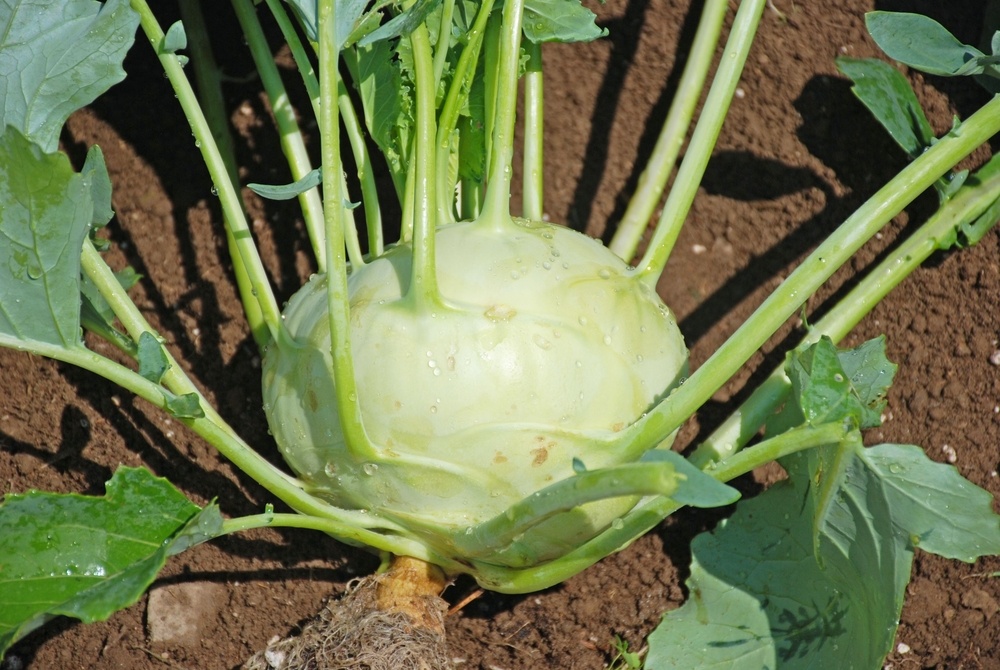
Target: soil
x,y
797,154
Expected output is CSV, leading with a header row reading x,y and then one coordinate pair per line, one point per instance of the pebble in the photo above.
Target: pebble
x,y
175,614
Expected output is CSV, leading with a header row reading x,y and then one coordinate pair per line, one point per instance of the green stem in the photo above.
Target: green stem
x,y
345,532
657,171
292,144
338,297
830,255
449,117
212,427
209,82
631,479
743,425
706,132
646,515
533,166
496,208
229,198
423,290
443,40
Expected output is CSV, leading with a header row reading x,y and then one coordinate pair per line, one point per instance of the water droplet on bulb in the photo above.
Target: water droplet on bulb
x,y
369,468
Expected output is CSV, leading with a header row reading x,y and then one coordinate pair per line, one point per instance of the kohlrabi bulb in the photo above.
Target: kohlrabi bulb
x,y
542,350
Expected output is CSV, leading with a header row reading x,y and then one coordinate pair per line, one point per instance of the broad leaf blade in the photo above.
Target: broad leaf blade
x,y
87,557
759,598
921,43
891,100
45,212
944,513
559,21
57,57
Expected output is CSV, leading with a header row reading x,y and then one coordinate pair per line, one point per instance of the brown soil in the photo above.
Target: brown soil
x,y
796,156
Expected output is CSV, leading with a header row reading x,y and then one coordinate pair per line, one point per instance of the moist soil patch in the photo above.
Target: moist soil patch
x,y
797,155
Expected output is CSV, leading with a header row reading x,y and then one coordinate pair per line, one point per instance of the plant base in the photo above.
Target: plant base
x,y
384,622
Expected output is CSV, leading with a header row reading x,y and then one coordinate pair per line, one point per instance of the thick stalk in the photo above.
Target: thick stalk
x,y
646,515
209,80
338,302
292,144
362,158
229,199
830,255
706,132
423,290
212,427
532,192
496,208
657,171
743,425
448,118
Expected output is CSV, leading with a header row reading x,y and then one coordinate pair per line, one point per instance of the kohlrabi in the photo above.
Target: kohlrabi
x,y
489,394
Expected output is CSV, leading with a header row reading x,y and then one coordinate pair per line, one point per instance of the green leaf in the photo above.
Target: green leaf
x,y
888,96
559,21
385,99
152,359
871,373
922,43
45,212
759,599
802,578
185,406
349,14
694,487
87,557
95,175
401,24
58,57
288,191
942,512
831,385
175,38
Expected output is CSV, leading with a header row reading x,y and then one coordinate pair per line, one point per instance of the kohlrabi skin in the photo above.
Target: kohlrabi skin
x,y
542,351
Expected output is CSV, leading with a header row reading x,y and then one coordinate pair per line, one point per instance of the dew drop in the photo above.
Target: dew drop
x,y
330,469
369,468
617,524
607,340
604,274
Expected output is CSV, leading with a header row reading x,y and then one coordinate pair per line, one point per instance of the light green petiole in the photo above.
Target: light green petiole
x,y
423,290
742,426
532,192
816,269
348,404
209,83
630,479
292,143
646,515
496,206
229,198
692,169
657,171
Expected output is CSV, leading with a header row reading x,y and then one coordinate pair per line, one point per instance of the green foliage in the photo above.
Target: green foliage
x,y
46,214
58,57
812,572
924,44
87,557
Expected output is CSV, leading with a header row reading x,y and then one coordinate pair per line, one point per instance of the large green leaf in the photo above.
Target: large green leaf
x,y
45,211
87,557
57,57
799,578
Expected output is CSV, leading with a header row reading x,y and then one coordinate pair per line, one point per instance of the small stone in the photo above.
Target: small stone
x,y
176,614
